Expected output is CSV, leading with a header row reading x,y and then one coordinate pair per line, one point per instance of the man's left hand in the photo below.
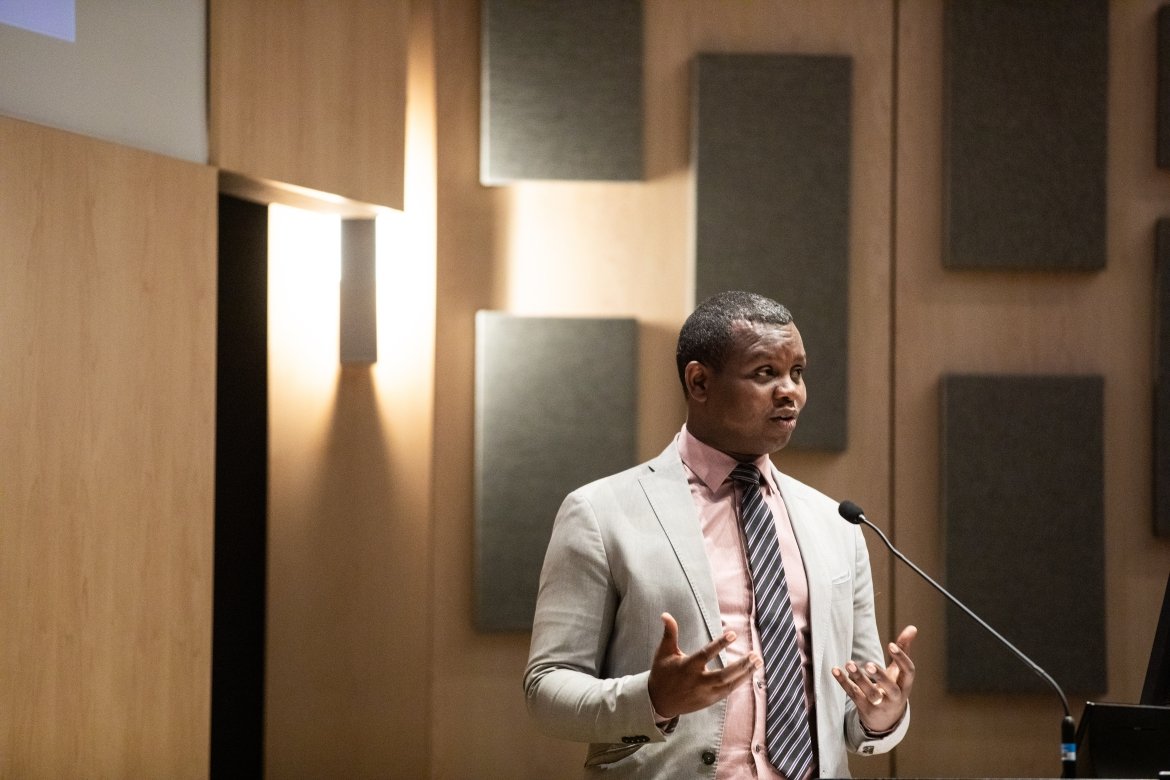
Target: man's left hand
x,y
881,695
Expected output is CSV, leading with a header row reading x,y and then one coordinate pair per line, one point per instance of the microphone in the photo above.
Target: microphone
x,y
1068,749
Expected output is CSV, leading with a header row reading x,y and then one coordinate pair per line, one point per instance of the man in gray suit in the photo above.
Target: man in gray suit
x,y
646,641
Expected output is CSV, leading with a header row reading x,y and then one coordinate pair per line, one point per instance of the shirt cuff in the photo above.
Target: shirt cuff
x,y
665,725
871,734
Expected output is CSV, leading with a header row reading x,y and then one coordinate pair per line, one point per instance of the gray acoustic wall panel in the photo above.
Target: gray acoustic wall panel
x,y
1023,517
772,150
1162,385
561,90
555,408
1024,134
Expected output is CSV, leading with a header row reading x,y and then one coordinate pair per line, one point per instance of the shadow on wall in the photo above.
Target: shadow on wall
x,y
339,604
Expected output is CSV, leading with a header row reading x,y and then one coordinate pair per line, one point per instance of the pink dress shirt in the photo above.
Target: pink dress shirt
x,y
742,753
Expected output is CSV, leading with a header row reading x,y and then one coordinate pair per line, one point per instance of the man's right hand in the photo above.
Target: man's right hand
x,y
681,683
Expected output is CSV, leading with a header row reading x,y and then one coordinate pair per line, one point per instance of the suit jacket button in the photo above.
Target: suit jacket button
x,y
708,757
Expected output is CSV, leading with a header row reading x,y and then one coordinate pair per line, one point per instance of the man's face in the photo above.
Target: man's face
x,y
749,407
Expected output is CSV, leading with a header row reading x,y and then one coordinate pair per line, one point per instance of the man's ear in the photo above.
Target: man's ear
x,y
696,376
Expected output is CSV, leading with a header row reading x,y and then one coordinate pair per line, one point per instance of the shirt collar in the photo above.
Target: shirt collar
x,y
713,466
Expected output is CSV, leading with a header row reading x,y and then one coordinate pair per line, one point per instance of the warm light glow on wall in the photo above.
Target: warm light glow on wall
x,y
304,271
539,221
303,312
406,302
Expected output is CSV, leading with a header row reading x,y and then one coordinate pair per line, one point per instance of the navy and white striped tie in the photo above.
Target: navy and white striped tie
x,y
786,729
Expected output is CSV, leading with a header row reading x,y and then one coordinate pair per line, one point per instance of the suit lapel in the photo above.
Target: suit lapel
x,y
670,499
808,538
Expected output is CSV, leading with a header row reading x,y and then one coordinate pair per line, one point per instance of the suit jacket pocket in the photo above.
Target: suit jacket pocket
x,y
843,587
603,753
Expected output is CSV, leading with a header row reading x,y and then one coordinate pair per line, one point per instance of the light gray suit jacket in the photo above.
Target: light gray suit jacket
x,y
629,547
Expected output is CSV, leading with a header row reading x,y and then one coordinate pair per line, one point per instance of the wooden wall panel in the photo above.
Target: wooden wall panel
x,y
311,94
107,374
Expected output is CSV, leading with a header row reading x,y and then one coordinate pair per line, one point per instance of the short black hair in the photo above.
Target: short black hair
x,y
708,334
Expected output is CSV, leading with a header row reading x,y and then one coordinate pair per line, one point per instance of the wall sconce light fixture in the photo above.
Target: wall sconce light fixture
x,y
359,310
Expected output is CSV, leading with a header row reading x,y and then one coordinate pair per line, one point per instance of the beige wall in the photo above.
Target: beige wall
x,y
374,668
348,671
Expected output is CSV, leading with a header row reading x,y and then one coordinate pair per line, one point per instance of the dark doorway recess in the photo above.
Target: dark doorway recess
x,y
241,492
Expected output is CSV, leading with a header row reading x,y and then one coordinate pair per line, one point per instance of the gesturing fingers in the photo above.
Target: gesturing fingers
x,y
881,693
906,637
682,683
714,648
698,660
872,685
879,701
901,668
669,644
722,681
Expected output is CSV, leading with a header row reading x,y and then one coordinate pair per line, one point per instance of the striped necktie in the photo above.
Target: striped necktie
x,y
786,729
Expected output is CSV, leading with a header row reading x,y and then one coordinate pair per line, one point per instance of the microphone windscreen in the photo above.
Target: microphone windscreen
x,y
851,512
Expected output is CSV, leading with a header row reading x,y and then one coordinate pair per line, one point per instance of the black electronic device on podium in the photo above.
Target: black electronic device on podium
x,y
1132,740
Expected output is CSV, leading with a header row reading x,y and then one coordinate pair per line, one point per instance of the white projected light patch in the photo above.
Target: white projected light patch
x,y
55,18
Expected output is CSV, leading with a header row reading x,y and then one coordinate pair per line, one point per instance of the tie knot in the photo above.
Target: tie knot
x,y
747,473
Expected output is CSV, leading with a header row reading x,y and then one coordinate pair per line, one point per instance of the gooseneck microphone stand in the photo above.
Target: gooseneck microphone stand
x,y
1068,749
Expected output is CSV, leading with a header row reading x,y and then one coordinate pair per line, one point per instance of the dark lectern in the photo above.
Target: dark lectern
x,y
1132,740
1123,740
